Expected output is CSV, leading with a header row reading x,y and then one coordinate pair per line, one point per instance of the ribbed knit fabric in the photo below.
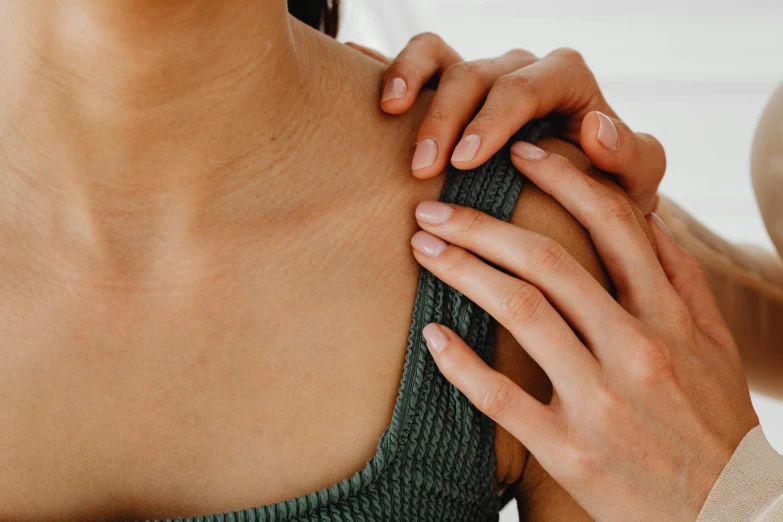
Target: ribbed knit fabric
x,y
435,462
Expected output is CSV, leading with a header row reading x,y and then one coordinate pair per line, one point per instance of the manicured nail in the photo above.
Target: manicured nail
x,y
607,132
527,151
428,244
435,337
662,224
395,88
434,212
467,148
425,155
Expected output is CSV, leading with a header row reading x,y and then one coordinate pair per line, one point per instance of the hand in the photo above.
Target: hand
x,y
508,92
649,396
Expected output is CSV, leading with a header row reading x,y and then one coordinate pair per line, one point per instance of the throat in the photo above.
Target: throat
x,y
155,122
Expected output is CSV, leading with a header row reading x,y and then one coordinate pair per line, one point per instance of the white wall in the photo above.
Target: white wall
x,y
695,73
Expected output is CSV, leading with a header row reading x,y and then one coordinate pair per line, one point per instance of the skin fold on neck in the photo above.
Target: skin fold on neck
x,y
153,123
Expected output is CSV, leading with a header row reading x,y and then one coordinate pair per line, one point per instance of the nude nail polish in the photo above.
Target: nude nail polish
x,y
607,133
433,212
425,155
395,88
527,151
435,338
467,148
428,244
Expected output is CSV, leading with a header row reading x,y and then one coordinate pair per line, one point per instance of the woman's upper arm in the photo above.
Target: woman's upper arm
x,y
537,211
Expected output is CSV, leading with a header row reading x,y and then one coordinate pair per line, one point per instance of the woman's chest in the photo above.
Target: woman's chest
x,y
211,396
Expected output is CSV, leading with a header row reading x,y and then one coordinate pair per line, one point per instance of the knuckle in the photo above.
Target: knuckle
x,y
690,273
487,117
583,464
615,209
655,150
448,365
475,222
523,305
652,363
440,113
455,262
428,38
569,54
403,64
546,254
609,406
464,72
521,55
695,270
678,315
497,398
515,82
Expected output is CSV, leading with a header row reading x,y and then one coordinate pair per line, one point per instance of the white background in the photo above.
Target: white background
x,y
695,73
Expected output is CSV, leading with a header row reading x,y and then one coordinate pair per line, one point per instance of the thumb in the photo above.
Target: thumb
x,y
637,160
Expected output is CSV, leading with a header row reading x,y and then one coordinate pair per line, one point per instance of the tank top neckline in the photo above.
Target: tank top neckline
x,y
494,189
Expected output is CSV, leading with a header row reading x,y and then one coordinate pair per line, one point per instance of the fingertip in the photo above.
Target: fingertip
x,y
436,338
395,88
589,131
607,134
667,248
469,152
425,174
397,106
600,138
661,225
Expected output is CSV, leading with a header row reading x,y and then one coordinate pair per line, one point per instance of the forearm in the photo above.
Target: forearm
x,y
748,284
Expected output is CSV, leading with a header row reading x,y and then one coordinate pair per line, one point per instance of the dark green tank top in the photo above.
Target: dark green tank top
x,y
435,462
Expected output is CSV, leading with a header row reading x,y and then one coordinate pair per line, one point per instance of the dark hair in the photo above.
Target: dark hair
x,y
323,15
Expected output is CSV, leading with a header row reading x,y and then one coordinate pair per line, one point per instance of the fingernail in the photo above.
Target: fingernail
x,y
395,88
425,155
607,132
527,151
428,244
433,212
662,225
435,337
467,148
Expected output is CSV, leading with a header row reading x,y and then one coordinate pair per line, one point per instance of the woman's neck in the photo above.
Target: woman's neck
x,y
129,113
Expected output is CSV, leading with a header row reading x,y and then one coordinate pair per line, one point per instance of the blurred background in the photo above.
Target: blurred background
x,y
694,73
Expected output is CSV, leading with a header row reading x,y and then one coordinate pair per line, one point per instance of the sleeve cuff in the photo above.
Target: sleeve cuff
x,y
750,487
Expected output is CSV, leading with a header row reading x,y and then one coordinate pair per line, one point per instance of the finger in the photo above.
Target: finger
x,y
610,220
537,259
494,394
518,306
372,53
688,280
425,56
637,160
559,83
461,91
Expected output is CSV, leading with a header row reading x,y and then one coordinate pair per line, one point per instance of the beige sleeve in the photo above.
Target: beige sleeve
x,y
750,488
767,167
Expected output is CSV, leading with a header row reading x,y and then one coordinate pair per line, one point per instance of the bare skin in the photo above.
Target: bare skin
x,y
206,280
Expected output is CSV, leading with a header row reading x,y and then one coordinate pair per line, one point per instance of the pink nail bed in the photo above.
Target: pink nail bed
x,y
428,244
527,151
396,88
425,155
435,338
433,212
467,148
